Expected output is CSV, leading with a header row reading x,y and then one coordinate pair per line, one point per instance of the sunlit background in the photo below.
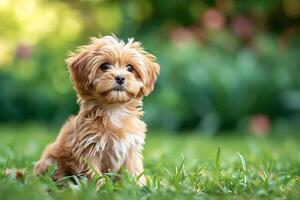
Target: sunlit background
x,y
225,65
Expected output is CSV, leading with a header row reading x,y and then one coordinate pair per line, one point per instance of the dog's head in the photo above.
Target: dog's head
x,y
112,71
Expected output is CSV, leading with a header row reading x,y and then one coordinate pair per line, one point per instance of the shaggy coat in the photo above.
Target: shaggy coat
x,y
108,131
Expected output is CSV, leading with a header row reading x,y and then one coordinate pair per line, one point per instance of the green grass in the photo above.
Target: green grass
x,y
185,166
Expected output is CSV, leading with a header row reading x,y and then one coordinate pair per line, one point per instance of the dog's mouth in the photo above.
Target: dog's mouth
x,y
118,88
117,94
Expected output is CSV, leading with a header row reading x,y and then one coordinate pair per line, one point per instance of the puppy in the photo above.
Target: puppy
x,y
111,78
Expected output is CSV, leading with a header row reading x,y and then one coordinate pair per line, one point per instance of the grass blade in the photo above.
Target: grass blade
x,y
217,163
244,170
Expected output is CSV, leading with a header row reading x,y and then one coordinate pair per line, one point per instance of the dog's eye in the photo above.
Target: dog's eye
x,y
104,67
130,68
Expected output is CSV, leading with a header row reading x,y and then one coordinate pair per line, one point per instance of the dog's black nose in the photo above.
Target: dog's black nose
x,y
120,80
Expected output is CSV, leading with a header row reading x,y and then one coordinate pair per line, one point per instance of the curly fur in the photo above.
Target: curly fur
x,y
108,131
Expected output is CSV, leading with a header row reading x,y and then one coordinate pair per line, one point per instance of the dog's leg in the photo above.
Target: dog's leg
x,y
58,152
134,165
45,161
42,166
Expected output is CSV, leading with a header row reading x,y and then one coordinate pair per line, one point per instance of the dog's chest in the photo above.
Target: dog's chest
x,y
108,153
104,148
116,116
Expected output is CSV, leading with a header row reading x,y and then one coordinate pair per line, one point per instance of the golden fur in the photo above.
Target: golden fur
x,y
108,131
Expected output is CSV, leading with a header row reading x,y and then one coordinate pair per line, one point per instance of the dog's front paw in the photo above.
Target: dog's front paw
x,y
42,166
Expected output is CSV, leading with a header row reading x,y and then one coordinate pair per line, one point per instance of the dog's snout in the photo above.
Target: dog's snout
x,y
120,80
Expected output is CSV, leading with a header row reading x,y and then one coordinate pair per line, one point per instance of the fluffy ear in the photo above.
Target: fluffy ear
x,y
78,70
152,69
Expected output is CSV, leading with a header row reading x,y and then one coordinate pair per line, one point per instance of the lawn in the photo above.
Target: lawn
x,y
183,166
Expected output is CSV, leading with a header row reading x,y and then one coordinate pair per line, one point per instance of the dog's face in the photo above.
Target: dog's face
x,y
111,71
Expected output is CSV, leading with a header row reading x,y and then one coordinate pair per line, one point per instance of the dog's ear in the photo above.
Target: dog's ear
x,y
79,72
80,65
152,69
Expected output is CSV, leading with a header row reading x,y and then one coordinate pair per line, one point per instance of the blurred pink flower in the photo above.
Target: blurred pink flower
x,y
213,19
242,27
23,51
260,124
181,35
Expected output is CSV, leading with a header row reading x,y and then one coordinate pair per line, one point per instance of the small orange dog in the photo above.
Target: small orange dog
x,y
110,78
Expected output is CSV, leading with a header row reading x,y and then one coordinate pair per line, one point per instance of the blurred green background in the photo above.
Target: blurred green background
x,y
225,64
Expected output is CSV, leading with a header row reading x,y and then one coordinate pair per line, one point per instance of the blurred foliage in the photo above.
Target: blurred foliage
x,y
222,61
